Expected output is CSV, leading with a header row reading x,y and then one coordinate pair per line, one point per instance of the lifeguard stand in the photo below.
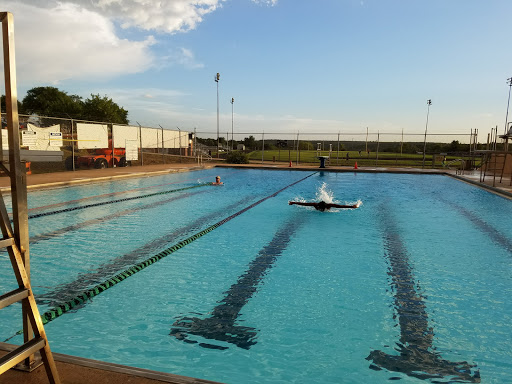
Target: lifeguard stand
x,y
15,238
496,162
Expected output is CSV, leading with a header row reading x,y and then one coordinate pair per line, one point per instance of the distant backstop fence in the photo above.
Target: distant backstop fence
x,y
89,144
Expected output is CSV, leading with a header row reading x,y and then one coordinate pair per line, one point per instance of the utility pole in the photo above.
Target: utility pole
x,y
509,82
232,120
217,78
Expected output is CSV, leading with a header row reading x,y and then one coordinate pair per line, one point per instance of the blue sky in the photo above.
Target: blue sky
x,y
308,66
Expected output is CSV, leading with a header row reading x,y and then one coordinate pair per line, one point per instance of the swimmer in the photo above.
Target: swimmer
x,y
217,181
323,206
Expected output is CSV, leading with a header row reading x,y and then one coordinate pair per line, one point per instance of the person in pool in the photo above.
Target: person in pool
x,y
217,181
323,206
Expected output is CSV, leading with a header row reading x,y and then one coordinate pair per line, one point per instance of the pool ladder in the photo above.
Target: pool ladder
x,y
25,295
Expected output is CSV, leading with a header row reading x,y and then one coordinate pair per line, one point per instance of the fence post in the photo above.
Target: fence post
x,y
262,146
113,153
140,145
402,145
297,153
194,150
378,142
338,152
179,143
367,154
73,145
163,155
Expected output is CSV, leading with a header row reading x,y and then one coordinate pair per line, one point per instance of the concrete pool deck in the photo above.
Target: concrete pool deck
x,y
74,370
77,370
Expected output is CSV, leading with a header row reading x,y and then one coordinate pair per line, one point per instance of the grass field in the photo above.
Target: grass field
x,y
384,159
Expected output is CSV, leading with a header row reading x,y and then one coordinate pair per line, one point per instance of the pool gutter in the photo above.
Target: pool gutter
x,y
498,191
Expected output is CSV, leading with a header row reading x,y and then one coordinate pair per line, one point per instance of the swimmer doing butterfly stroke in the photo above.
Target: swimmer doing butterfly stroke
x,y
323,206
325,198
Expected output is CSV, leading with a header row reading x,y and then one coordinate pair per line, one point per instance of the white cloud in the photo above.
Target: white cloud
x,y
60,40
270,3
188,60
183,57
68,41
169,16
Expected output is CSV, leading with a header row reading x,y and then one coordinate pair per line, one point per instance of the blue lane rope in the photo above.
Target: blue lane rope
x,y
82,298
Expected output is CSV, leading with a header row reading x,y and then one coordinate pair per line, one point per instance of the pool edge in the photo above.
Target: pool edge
x,y
73,366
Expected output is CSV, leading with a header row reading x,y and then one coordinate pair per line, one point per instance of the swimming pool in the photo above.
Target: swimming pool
x,y
409,286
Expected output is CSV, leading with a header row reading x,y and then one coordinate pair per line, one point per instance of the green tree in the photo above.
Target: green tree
x,y
3,106
250,142
207,142
305,146
50,101
410,148
237,157
98,108
454,146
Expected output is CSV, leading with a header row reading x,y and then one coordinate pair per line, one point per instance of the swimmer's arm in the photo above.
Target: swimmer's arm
x,y
343,206
300,203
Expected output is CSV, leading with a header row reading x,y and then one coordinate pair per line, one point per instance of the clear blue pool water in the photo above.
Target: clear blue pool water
x,y
409,286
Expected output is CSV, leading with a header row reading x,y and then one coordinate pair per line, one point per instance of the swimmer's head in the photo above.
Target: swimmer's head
x,y
217,178
321,206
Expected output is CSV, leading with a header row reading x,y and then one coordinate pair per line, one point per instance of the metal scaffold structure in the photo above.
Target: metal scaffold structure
x,y
496,161
15,238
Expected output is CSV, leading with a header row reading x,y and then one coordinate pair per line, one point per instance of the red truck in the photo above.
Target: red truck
x,y
100,158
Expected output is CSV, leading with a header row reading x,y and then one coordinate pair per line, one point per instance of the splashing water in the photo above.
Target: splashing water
x,y
324,194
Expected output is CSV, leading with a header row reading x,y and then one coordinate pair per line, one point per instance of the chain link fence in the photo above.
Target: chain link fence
x,y
87,144
366,148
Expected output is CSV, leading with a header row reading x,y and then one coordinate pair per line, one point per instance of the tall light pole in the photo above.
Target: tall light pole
x,y
232,120
509,82
217,78
429,103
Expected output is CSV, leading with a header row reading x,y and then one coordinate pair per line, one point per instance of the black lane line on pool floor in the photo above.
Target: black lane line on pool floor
x,y
417,356
84,297
37,215
483,226
220,325
65,292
